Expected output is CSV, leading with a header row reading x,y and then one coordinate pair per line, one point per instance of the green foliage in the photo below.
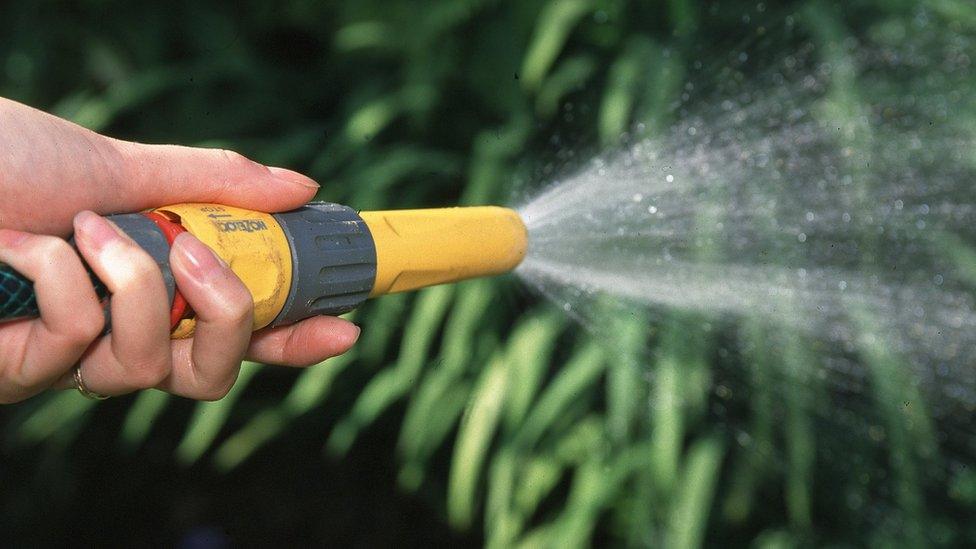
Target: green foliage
x,y
510,420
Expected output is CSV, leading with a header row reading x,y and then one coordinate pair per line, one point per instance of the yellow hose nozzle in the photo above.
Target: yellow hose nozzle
x,y
419,248
327,258
321,259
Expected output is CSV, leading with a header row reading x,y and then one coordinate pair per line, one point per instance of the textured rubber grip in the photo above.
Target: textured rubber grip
x,y
333,261
17,299
16,295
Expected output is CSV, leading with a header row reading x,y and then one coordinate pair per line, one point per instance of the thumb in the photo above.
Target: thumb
x,y
158,175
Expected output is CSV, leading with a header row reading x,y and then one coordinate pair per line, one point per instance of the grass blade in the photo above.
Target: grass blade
x,y
470,451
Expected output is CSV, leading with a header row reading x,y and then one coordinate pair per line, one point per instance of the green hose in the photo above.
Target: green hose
x,y
17,299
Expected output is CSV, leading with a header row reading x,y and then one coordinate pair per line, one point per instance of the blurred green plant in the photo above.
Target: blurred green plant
x,y
511,419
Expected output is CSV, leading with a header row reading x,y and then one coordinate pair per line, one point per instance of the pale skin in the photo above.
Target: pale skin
x,y
57,178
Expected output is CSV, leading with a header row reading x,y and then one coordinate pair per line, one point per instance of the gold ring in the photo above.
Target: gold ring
x,y
83,389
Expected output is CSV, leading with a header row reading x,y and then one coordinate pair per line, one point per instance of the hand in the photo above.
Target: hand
x,y
54,178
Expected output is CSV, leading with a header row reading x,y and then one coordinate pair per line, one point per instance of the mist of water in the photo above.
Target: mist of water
x,y
785,199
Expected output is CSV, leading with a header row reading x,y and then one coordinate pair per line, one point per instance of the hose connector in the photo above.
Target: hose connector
x,y
333,261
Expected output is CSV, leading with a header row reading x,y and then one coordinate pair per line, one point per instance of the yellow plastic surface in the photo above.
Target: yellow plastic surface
x,y
419,248
252,243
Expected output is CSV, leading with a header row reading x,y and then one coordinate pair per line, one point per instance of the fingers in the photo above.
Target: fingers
x,y
65,168
303,344
158,175
34,354
81,169
137,354
206,367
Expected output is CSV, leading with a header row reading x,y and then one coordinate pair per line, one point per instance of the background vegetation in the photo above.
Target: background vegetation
x,y
475,413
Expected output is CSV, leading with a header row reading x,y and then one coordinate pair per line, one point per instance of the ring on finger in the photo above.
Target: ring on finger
x,y
82,388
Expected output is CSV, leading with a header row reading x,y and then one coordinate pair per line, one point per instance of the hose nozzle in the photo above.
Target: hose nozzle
x,y
320,259
419,248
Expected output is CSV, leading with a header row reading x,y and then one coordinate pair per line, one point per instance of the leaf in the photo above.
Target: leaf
x,y
416,441
577,375
311,388
60,412
210,417
553,28
620,93
693,499
470,451
626,386
392,384
149,405
529,349
571,75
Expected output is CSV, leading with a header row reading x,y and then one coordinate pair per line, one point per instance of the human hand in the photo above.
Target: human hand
x,y
54,178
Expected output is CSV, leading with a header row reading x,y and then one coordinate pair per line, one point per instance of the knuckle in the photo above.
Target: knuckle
x,y
213,387
216,391
140,272
234,159
237,307
149,374
93,326
86,330
54,250
20,381
15,381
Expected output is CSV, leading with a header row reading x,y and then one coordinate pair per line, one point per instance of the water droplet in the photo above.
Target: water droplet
x,y
652,209
842,285
846,217
810,216
669,178
802,237
899,204
638,197
743,438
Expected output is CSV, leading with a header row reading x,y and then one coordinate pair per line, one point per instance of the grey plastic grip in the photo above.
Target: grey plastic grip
x,y
333,261
151,239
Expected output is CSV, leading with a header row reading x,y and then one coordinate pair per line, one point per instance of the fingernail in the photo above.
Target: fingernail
x,y
95,230
10,238
350,335
293,177
199,261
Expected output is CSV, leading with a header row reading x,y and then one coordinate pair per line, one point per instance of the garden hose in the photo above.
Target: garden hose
x,y
321,259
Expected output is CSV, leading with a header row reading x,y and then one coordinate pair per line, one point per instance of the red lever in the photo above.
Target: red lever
x,y
171,229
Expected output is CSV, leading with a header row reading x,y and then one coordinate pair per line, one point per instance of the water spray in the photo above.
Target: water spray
x,y
321,259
